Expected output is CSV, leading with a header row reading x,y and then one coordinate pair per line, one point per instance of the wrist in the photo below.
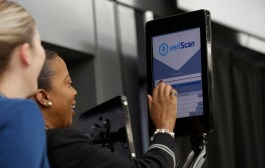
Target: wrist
x,y
163,131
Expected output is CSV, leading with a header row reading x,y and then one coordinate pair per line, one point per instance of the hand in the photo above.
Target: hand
x,y
163,106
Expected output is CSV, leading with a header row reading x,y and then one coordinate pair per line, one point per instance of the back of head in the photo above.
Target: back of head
x,y
16,27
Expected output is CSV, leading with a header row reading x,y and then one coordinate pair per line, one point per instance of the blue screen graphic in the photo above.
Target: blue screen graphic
x,y
177,61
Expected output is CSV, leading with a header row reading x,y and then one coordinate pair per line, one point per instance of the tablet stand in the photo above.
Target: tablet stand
x,y
197,156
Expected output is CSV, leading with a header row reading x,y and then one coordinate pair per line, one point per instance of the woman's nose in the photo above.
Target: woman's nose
x,y
75,92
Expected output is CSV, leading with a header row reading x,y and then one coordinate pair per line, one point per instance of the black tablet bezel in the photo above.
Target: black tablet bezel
x,y
176,23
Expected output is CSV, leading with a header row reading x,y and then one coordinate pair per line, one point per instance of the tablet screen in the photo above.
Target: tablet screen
x,y
177,61
178,50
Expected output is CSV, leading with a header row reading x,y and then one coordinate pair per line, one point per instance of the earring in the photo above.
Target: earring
x,y
49,103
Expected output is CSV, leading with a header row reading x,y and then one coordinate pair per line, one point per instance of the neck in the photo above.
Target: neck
x,y
13,86
48,125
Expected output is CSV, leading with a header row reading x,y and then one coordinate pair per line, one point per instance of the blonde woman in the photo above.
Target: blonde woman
x,y
22,134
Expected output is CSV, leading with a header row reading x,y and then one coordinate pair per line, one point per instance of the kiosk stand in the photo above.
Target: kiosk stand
x,y
197,156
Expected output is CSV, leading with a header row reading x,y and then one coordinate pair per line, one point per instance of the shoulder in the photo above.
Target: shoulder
x,y
22,119
24,112
71,148
16,105
66,136
64,132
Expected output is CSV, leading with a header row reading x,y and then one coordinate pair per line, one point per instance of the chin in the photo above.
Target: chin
x,y
69,124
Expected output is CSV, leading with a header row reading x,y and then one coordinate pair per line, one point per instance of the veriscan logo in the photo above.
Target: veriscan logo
x,y
165,48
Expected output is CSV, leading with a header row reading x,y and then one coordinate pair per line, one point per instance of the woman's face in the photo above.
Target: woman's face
x,y
62,95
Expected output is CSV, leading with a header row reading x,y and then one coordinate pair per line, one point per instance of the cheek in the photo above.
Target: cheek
x,y
40,58
67,115
65,100
62,112
42,55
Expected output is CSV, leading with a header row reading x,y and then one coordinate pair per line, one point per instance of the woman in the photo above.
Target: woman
x,y
22,133
55,95
68,148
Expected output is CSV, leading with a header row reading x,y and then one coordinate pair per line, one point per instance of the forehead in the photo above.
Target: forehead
x,y
60,68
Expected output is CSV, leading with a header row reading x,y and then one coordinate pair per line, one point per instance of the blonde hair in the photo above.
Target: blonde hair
x,y
16,27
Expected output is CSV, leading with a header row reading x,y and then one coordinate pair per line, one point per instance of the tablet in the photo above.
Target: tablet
x,y
108,126
179,53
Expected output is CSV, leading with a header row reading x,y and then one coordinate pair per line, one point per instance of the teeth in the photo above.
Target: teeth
x,y
73,106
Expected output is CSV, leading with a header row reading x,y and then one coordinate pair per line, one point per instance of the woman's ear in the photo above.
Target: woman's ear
x,y
42,98
24,53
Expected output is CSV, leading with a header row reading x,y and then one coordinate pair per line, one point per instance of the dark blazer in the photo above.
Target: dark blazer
x,y
68,148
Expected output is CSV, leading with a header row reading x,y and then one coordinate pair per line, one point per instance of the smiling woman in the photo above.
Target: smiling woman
x,y
56,96
70,148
